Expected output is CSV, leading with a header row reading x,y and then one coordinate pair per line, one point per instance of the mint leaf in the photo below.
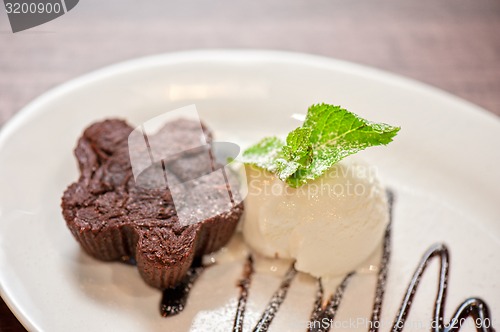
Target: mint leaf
x,y
298,146
328,134
264,154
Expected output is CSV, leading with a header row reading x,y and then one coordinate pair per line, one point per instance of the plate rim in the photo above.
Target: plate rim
x,y
235,56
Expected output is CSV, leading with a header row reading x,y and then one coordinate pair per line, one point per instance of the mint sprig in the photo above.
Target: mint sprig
x,y
328,134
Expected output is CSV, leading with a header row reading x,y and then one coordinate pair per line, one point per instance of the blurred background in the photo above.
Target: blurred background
x,y
451,44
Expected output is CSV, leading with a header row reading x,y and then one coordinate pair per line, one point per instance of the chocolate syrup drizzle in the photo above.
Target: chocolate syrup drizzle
x,y
276,300
383,269
327,310
244,285
474,307
174,299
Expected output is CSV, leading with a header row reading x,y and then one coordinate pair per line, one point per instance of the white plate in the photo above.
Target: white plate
x,y
443,166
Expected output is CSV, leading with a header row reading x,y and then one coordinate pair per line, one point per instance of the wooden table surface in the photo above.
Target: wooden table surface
x,y
451,44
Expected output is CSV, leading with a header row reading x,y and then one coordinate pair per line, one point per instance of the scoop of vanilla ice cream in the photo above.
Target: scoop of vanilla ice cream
x,y
329,225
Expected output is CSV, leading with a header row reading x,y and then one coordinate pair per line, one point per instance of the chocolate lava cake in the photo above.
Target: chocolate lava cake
x,y
114,218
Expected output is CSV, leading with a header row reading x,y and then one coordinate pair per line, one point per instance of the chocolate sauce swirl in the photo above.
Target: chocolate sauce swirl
x,y
244,285
275,302
327,310
174,299
472,307
383,270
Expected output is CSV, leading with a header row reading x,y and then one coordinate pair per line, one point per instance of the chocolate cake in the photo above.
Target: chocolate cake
x,y
116,216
